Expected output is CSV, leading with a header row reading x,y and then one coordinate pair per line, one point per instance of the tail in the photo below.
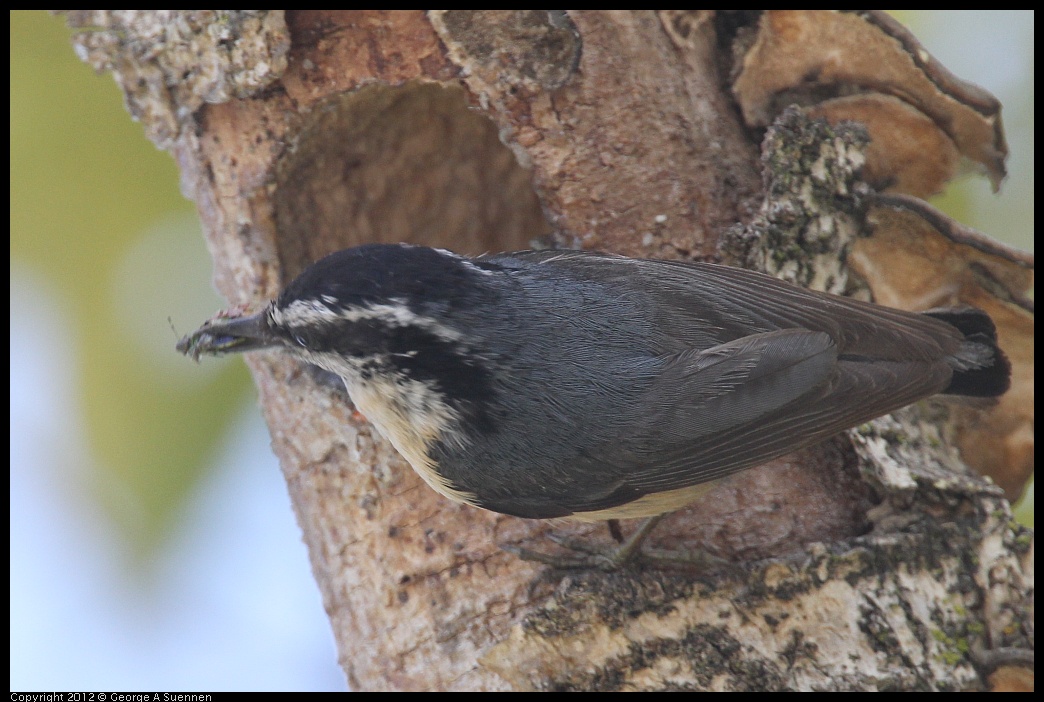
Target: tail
x,y
980,368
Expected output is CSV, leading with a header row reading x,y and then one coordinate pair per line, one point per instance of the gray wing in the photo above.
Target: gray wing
x,y
732,407
699,305
728,399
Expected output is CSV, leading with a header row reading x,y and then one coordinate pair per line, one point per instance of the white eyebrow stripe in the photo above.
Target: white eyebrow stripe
x,y
465,261
307,312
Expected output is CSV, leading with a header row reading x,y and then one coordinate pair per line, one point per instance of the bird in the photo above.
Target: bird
x,y
567,383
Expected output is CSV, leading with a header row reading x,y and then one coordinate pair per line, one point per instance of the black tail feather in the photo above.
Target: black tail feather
x,y
980,367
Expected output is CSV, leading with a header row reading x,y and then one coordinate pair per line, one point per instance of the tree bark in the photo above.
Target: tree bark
x,y
874,561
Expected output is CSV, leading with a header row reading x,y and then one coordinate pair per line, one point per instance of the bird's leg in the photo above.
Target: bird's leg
x,y
628,551
633,546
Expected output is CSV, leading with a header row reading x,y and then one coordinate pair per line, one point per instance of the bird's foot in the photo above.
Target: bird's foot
x,y
629,553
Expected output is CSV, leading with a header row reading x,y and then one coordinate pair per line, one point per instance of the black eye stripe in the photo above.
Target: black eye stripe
x,y
453,369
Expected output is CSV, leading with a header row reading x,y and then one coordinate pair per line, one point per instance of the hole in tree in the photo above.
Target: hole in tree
x,y
411,163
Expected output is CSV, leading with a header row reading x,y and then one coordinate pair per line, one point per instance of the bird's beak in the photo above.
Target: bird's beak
x,y
225,334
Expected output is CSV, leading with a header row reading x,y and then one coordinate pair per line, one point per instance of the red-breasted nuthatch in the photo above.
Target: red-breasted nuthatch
x,y
566,383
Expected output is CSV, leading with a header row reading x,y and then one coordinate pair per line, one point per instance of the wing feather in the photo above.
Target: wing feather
x,y
750,368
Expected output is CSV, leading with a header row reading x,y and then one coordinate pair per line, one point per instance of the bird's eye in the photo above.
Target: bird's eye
x,y
300,341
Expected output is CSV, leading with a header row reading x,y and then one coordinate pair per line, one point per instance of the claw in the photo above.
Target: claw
x,y
613,559
629,553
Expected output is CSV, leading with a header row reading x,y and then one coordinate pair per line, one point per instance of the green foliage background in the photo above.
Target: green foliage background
x,y
97,217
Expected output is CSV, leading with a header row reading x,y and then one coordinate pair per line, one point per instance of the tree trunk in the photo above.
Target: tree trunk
x,y
874,561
